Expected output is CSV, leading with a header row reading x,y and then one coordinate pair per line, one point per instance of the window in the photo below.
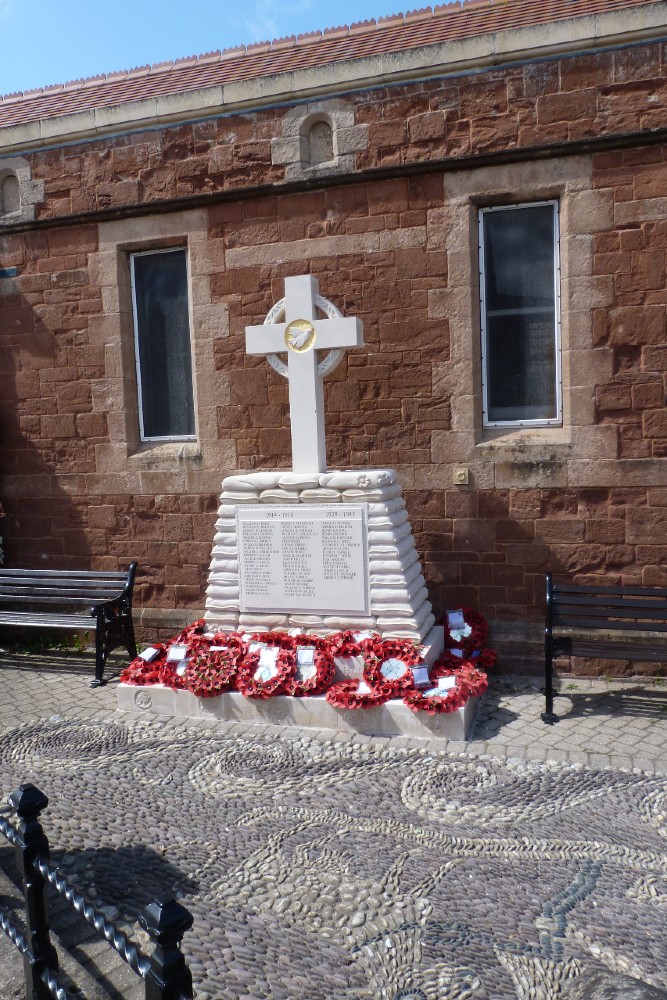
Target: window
x,y
519,290
162,345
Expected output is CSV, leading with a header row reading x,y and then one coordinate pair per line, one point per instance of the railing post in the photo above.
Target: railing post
x,y
29,802
166,921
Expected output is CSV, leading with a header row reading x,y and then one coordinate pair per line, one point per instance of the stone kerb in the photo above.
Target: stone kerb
x,y
399,604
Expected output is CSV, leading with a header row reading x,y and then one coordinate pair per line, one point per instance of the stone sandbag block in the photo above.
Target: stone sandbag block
x,y
391,719
374,580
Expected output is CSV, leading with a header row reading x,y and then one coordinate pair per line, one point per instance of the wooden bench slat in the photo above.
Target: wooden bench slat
x,y
23,618
607,623
593,601
571,646
571,588
630,616
35,573
20,594
54,581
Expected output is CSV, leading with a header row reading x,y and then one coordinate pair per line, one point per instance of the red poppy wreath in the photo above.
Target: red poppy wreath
x,y
451,689
265,672
314,668
142,671
355,693
465,629
210,673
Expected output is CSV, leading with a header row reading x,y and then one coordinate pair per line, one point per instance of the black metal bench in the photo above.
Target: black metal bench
x,y
57,599
617,623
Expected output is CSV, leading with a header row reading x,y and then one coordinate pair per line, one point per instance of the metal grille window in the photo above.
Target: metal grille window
x,y
520,309
162,345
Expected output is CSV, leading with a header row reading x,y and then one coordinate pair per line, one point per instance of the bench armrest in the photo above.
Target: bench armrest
x,y
124,599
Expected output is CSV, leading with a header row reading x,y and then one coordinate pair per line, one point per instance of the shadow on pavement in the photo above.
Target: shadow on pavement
x,y
492,716
120,882
638,701
65,661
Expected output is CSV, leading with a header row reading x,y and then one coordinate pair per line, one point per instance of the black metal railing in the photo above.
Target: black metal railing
x,y
165,972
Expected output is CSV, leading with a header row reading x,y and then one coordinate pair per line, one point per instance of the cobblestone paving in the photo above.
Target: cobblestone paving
x,y
351,868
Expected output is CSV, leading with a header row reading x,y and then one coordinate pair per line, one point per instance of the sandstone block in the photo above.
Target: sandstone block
x,y
648,395
613,397
605,531
566,107
102,516
654,424
654,358
647,525
423,128
58,426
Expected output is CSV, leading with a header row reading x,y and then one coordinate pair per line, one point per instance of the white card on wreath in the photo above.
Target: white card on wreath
x,y
149,654
305,656
176,654
363,688
455,619
305,672
268,656
446,683
393,669
420,674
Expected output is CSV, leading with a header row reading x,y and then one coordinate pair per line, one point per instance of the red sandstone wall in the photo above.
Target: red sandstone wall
x,y
520,106
486,545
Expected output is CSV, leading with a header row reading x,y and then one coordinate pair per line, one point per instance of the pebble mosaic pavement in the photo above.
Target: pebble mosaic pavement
x,y
355,867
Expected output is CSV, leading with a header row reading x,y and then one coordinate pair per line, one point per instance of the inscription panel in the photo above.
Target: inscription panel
x,y
304,559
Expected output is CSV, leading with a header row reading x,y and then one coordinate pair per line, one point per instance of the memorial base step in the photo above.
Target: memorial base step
x,y
392,719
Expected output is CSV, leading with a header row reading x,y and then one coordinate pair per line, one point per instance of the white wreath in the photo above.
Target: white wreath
x,y
328,363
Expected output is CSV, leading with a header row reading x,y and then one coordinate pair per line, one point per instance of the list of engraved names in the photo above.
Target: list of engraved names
x,y
304,559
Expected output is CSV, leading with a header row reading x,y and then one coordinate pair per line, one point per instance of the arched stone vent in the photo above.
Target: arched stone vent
x,y
10,194
319,138
19,193
320,142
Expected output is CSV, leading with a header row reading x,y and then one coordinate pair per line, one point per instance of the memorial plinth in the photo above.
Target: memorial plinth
x,y
322,552
392,719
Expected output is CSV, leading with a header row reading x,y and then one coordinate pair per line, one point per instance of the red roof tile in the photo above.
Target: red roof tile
x,y
395,33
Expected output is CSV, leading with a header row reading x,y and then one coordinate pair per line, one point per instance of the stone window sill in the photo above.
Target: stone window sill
x,y
503,443
168,454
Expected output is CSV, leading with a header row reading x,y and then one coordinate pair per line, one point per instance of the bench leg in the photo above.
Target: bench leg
x,y
100,656
112,631
549,716
130,641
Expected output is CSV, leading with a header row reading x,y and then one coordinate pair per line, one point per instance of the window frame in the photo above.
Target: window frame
x,y
143,437
556,421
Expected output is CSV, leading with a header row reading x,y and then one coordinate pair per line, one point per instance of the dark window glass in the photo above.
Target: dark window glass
x,y
163,344
520,314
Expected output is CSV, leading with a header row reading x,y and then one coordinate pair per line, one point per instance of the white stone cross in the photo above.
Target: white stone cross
x,y
303,336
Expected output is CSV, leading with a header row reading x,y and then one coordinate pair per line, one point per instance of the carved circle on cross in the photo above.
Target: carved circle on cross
x,y
328,363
